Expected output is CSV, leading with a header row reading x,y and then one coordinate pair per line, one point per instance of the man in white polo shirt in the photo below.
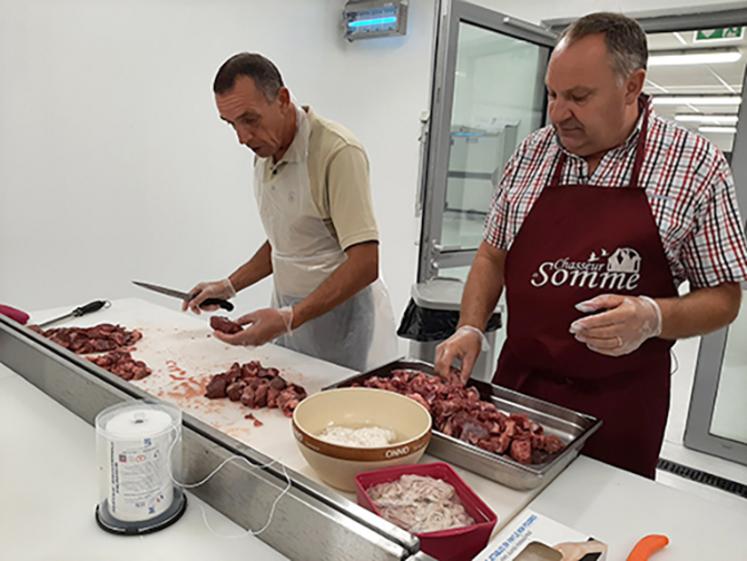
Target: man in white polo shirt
x,y
311,183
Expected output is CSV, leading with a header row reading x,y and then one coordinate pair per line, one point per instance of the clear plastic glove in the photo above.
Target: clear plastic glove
x,y
265,325
222,289
627,322
465,344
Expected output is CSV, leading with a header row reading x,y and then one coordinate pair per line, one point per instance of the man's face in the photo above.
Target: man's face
x,y
588,101
259,123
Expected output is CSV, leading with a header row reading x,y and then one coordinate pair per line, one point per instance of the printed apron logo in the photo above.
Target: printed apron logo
x,y
619,270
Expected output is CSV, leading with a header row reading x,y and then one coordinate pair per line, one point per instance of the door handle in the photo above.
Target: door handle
x,y
445,248
422,173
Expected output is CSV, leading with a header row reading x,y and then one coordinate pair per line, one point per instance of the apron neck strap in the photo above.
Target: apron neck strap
x,y
558,170
639,151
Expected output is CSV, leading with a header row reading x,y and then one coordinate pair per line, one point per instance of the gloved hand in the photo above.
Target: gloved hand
x,y
465,344
216,289
627,322
264,326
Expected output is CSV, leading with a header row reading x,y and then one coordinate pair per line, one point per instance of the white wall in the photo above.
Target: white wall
x,y
114,165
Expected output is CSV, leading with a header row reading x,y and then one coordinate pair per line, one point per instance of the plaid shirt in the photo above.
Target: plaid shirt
x,y
687,180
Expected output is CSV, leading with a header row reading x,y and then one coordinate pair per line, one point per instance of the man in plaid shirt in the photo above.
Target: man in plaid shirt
x,y
596,222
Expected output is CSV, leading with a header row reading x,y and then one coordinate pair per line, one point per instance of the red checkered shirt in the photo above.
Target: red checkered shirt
x,y
688,184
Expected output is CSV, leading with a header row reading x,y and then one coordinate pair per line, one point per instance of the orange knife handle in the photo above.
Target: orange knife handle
x,y
647,546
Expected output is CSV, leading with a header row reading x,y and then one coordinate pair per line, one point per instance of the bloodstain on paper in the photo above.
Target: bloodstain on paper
x,y
239,433
176,373
189,388
257,422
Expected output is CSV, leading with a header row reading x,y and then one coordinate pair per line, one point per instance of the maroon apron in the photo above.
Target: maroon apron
x,y
577,242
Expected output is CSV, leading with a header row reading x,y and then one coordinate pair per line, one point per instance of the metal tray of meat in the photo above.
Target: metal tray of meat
x,y
572,427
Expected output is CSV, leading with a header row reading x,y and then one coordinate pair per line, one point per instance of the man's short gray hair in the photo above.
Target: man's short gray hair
x,y
253,65
626,41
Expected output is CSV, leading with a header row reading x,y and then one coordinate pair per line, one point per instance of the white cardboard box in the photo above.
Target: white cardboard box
x,y
535,537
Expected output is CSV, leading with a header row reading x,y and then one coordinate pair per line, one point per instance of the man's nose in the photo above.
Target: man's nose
x,y
244,135
559,111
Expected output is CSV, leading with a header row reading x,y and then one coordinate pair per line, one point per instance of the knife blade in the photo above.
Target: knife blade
x,y
225,304
79,311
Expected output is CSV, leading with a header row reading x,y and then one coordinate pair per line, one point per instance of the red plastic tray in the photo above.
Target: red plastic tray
x,y
456,544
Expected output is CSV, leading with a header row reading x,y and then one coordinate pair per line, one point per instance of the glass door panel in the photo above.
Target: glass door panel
x,y
488,95
729,419
499,98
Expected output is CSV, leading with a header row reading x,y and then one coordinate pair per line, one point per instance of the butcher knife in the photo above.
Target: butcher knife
x,y
225,304
79,311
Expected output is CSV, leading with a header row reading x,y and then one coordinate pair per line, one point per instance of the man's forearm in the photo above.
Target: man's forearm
x,y
359,270
254,270
484,286
699,312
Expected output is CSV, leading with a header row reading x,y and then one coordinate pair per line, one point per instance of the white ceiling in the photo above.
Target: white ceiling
x,y
713,79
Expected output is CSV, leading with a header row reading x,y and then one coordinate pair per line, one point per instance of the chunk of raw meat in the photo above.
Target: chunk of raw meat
x,y
521,451
216,387
247,397
224,325
234,390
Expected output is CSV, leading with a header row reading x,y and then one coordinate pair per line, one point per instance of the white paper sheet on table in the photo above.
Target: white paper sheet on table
x,y
183,355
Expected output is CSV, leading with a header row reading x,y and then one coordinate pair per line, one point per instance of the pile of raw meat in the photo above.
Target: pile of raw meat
x,y
420,504
256,386
112,340
122,364
86,340
458,411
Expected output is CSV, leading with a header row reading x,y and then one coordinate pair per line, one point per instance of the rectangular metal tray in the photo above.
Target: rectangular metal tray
x,y
573,427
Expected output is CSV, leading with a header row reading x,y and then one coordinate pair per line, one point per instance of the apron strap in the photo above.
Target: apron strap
x,y
640,151
555,181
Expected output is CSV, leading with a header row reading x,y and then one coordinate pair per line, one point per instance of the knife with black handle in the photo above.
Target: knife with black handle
x,y
89,308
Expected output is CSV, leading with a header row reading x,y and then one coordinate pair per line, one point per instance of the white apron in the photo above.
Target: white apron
x,y
360,332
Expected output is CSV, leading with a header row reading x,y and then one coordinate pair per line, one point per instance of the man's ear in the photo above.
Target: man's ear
x,y
634,85
283,96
